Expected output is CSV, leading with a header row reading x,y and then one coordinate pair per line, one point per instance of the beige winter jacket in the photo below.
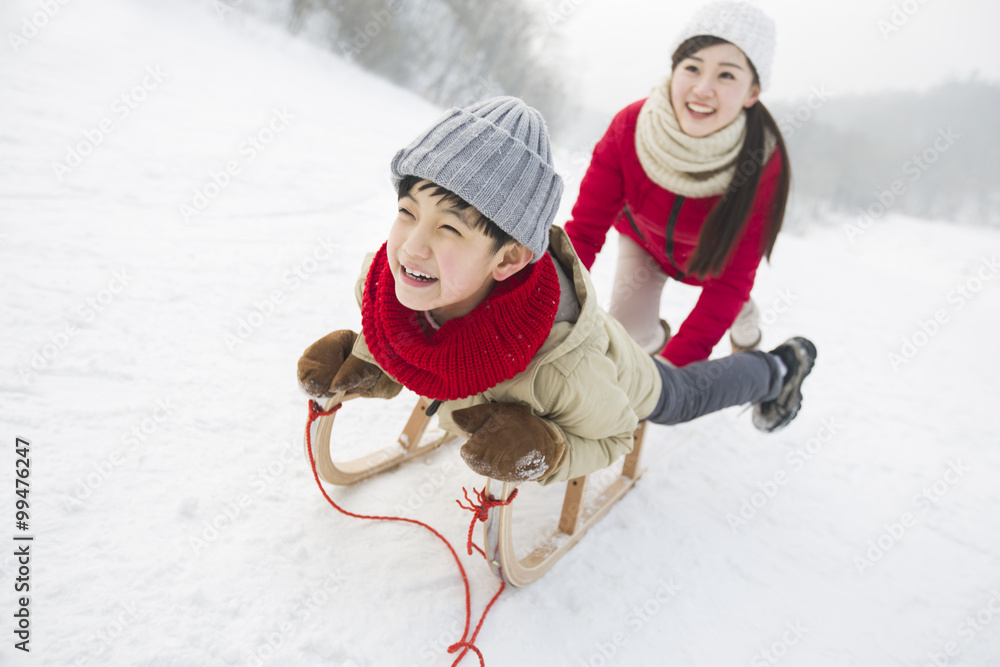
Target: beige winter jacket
x,y
589,378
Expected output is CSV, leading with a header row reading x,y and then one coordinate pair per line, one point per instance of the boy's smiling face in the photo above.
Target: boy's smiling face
x,y
439,261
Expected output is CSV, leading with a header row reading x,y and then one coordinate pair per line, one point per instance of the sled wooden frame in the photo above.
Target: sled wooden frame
x,y
407,446
576,519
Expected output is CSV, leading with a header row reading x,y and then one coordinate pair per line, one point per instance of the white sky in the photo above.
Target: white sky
x,y
619,48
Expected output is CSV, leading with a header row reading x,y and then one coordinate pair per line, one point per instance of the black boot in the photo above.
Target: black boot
x,y
798,355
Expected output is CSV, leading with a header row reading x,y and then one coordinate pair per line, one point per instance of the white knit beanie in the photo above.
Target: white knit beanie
x,y
496,156
740,23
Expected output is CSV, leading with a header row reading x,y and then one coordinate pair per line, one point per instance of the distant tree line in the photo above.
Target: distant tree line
x,y
452,52
932,154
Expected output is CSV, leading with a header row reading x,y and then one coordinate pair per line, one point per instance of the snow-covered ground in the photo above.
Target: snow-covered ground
x,y
185,199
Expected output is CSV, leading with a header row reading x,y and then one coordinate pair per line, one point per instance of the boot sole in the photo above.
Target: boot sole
x,y
805,351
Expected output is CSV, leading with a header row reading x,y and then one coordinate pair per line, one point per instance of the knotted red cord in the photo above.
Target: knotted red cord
x,y
481,512
315,412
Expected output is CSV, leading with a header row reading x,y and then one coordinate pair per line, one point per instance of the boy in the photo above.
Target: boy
x,y
477,301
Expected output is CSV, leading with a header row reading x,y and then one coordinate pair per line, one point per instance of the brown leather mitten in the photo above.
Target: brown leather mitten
x,y
364,379
508,443
327,367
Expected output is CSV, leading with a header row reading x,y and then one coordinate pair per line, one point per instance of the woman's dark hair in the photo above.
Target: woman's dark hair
x,y
723,225
476,221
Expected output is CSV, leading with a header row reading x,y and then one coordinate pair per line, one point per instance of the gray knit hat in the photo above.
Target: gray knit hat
x,y
740,23
496,156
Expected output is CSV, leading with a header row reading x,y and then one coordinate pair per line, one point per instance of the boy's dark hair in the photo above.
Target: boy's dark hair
x,y
477,221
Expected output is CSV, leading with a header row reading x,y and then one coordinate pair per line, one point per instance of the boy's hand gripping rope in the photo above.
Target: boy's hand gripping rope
x,y
481,513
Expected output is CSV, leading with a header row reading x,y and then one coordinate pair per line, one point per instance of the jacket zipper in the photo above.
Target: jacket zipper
x,y
631,221
671,223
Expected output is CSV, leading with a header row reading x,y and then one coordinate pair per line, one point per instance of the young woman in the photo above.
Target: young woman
x,y
695,179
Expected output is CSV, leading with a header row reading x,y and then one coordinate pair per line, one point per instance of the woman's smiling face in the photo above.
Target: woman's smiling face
x,y
709,89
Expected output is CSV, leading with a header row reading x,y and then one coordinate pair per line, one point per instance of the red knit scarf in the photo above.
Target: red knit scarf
x,y
468,354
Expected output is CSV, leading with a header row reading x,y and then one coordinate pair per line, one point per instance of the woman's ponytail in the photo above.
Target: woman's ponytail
x,y
723,225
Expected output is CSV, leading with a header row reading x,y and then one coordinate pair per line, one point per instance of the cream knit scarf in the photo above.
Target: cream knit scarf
x,y
689,166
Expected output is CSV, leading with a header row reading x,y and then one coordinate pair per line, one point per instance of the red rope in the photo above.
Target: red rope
x,y
481,513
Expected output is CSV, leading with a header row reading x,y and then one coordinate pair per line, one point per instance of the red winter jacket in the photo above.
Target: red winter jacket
x,y
616,191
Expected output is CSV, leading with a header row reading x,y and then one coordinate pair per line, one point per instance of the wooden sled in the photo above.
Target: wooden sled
x,y
576,519
344,473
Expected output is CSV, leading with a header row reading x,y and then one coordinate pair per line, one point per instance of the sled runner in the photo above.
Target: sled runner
x,y
407,446
576,519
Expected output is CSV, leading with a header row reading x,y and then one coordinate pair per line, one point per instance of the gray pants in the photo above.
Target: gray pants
x,y
706,386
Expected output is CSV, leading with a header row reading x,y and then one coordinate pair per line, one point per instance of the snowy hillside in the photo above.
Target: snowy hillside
x,y
185,199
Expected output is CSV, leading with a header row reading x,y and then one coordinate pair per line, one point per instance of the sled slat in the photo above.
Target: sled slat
x,y
572,505
576,519
344,473
416,425
631,467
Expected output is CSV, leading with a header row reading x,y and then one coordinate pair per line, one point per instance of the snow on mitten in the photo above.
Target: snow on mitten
x,y
327,367
510,444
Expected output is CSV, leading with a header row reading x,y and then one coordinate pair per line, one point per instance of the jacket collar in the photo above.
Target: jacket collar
x,y
566,336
